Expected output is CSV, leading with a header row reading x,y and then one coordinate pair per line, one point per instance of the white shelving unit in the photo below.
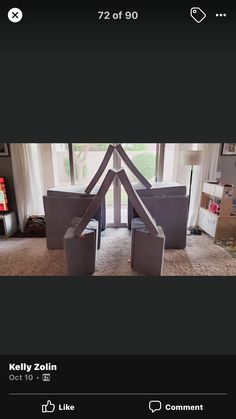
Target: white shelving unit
x,y
223,224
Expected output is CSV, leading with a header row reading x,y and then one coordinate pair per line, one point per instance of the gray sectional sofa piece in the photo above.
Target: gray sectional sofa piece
x,y
79,191
168,204
146,250
80,252
61,205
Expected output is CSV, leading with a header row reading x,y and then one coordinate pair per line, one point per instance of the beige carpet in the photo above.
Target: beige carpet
x,y
29,256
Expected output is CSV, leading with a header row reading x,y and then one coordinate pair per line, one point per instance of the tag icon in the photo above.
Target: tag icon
x,y
197,14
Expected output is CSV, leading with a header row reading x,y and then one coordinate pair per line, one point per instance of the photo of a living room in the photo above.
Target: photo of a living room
x,y
118,209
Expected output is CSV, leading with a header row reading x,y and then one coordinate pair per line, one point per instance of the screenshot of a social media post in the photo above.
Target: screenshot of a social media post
x,y
117,209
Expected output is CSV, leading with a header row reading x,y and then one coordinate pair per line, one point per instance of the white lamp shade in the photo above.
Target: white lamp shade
x,y
192,157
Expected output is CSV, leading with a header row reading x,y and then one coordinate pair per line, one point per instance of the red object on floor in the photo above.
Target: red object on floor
x,y
3,196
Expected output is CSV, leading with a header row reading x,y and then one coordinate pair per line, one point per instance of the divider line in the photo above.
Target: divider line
x,y
118,394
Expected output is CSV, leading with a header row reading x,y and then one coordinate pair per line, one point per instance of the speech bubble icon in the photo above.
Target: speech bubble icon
x,y
155,406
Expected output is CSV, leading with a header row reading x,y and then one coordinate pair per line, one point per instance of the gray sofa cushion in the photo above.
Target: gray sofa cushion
x,y
80,252
147,251
171,213
59,212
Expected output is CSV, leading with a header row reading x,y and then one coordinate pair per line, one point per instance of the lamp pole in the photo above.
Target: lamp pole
x,y
190,184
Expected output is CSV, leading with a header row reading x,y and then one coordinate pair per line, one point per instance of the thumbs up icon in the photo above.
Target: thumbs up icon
x,y
49,407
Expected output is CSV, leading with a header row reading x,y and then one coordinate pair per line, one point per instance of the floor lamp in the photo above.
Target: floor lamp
x,y
192,158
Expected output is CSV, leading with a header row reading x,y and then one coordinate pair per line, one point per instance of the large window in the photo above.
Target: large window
x,y
87,157
77,163
143,155
61,164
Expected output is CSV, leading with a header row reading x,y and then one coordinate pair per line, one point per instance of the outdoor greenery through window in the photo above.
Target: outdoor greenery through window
x,y
87,158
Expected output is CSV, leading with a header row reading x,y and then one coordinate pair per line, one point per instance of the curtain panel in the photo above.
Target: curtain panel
x,y
29,168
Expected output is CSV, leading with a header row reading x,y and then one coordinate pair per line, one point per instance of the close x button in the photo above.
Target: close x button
x,y
15,15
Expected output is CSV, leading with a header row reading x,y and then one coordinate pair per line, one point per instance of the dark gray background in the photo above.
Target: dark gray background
x,y
67,76
118,316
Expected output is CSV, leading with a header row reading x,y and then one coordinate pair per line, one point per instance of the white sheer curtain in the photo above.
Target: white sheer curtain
x,y
28,180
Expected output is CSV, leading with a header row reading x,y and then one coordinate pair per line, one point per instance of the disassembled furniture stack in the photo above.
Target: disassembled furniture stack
x,y
75,217
79,242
